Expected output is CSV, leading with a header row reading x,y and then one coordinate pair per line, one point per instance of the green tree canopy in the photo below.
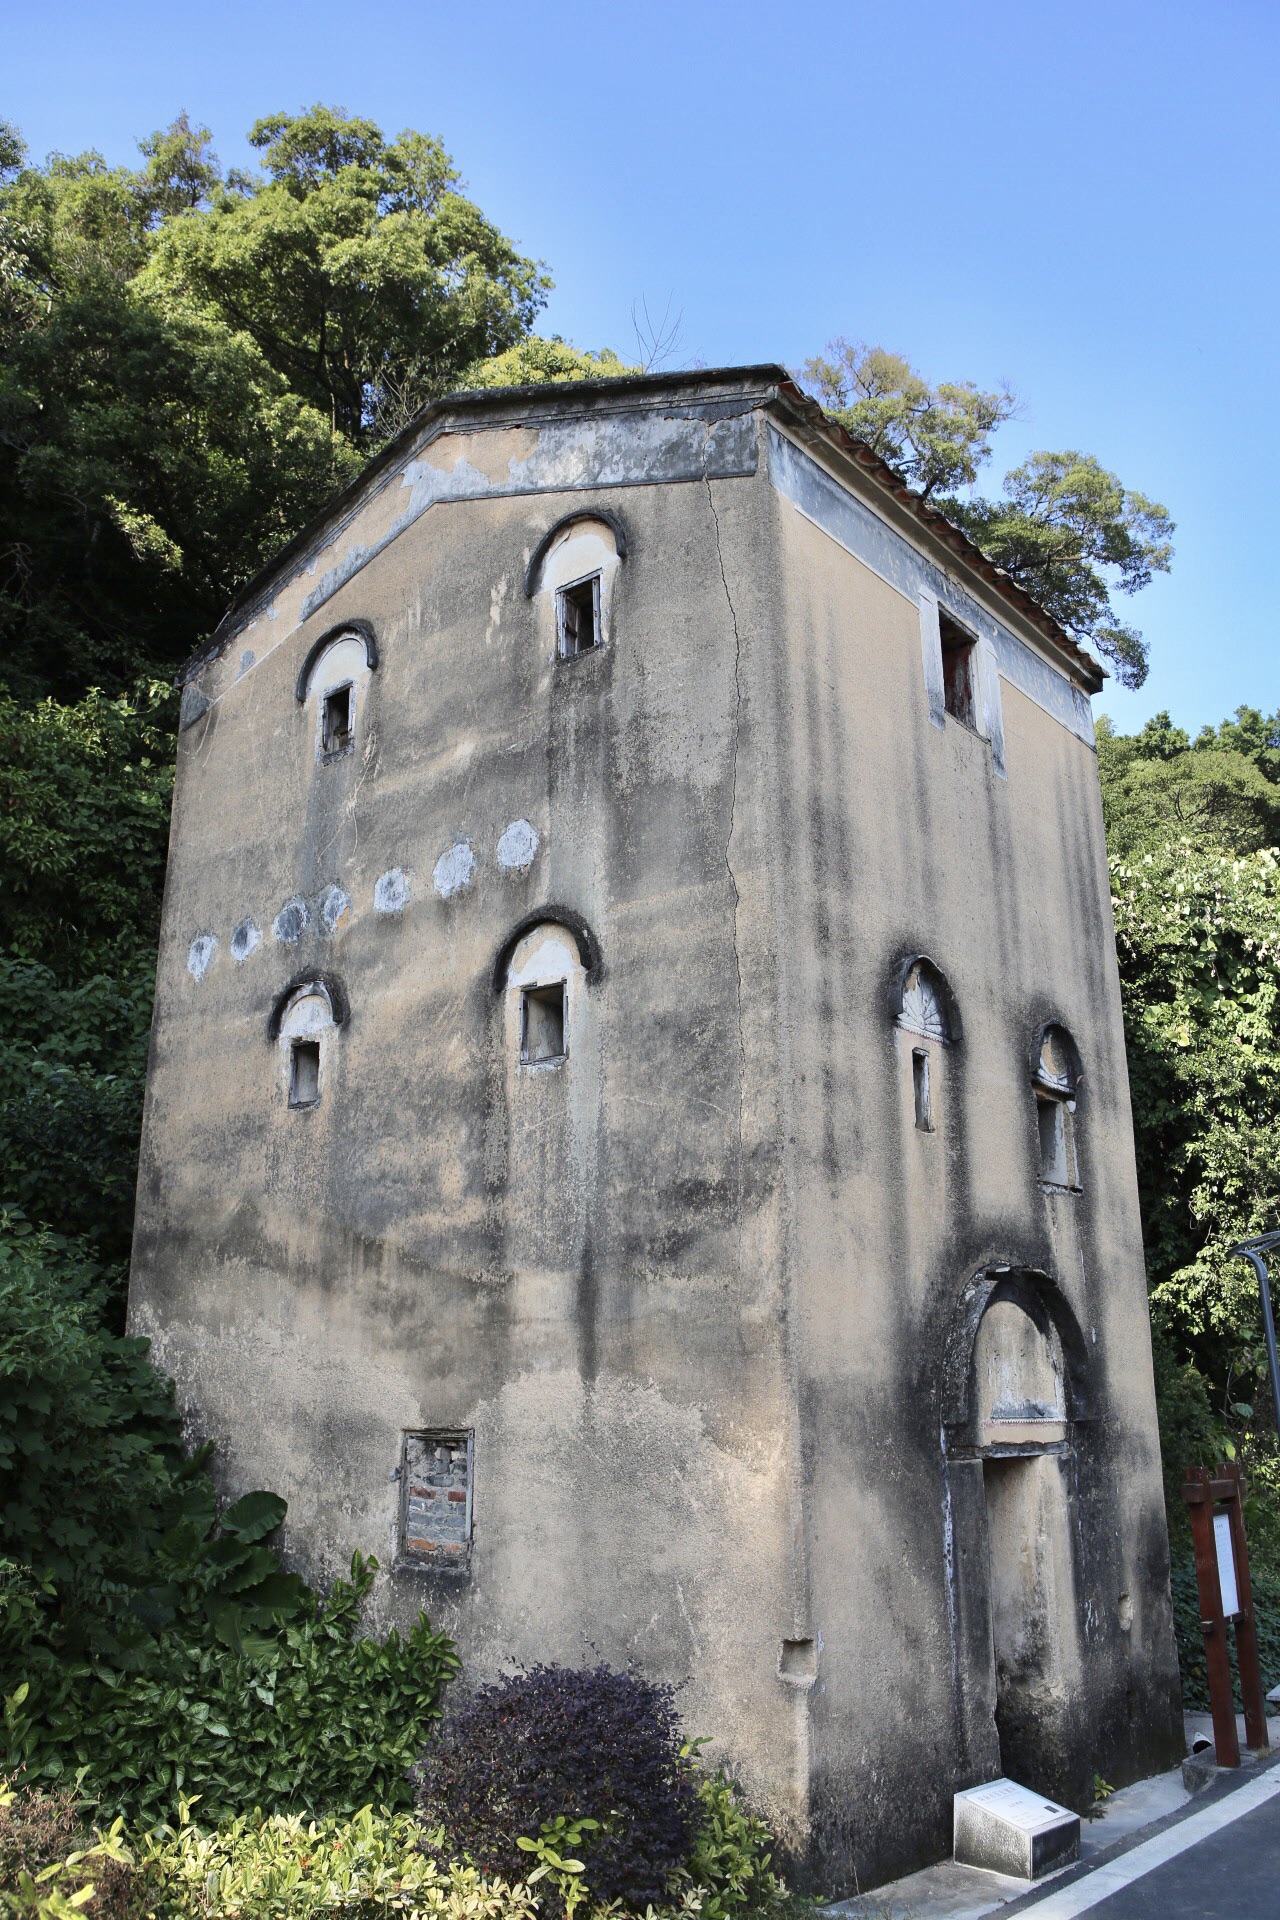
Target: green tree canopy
x,y
1198,936
1063,527
1221,792
355,265
84,827
536,361
937,437
1072,535
190,365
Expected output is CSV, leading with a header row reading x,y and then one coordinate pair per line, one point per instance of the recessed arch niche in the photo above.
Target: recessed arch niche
x,y
1015,1429
572,579
925,1024
304,1026
332,684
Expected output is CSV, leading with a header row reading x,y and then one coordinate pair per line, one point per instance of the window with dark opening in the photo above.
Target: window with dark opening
x,y
304,1073
335,725
959,671
920,1086
542,1024
578,617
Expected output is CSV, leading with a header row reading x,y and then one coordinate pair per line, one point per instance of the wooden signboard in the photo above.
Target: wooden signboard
x,y
1222,1576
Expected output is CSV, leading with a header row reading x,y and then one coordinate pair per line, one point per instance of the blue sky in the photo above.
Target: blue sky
x,y
1080,199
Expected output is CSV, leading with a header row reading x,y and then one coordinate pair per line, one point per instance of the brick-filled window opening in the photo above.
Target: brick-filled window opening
x,y
920,1089
335,726
304,1073
578,617
436,1485
542,1036
959,671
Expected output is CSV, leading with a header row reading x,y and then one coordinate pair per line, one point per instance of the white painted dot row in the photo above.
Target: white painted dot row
x,y
452,874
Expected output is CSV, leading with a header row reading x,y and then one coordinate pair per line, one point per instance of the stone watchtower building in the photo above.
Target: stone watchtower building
x,y
637,1133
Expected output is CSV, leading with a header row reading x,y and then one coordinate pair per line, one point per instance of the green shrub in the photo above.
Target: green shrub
x,y
258,1867
92,1479
732,1853
50,1867
144,1638
1186,1620
290,1867
316,1716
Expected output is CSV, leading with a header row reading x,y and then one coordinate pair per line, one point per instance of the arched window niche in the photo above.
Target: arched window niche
x,y
304,1026
1055,1084
926,1022
571,576
1016,1427
332,684
544,983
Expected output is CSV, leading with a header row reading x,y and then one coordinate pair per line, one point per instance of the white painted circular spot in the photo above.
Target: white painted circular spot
x,y
200,953
246,937
453,870
291,922
391,891
519,843
335,904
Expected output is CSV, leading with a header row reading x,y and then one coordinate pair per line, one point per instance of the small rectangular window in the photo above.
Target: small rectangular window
x,y
1057,1142
335,732
959,671
542,1023
578,617
435,1499
304,1073
920,1086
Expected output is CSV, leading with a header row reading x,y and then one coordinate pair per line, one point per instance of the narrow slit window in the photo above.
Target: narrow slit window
x,y
335,726
304,1073
920,1088
578,617
959,671
542,1024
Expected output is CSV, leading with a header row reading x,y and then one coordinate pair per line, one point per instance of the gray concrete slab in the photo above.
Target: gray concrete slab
x,y
951,1892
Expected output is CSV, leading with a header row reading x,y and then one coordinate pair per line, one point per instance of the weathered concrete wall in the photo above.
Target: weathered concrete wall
x,y
902,837
698,1292
581,1265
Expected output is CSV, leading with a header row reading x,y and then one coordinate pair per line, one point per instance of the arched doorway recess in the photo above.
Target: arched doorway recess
x,y
1015,1421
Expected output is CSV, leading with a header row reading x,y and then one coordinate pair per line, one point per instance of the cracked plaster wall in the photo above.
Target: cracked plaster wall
x,y
545,1257
691,1290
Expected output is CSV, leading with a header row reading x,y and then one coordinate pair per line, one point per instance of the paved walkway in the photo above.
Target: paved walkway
x,y
1157,1853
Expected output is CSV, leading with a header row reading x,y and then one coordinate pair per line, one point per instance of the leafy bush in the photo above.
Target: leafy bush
x,y
557,1744
91,1473
145,1639
1186,1620
47,1861
730,1865
317,1716
290,1867
263,1868
84,810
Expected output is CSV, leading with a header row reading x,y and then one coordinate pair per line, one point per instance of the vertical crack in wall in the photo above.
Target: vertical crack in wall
x,y
728,843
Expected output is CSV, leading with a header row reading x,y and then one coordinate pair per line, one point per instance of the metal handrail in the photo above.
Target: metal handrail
x,y
1252,1251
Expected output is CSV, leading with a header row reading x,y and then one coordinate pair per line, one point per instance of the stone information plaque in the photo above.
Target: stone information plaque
x,y
1009,1829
